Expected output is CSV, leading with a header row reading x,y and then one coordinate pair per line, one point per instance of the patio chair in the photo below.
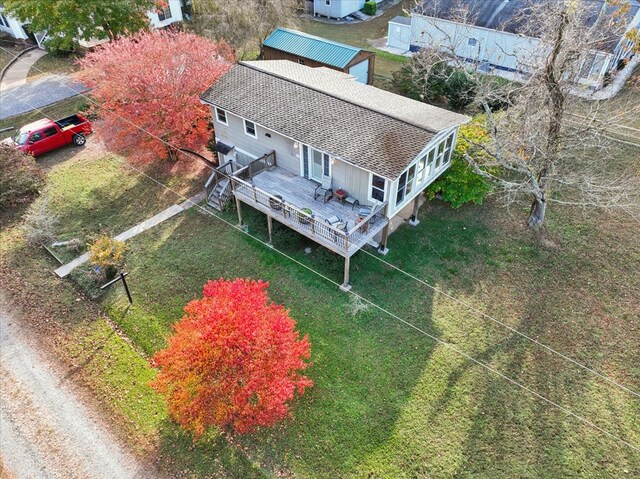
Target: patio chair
x,y
324,190
337,222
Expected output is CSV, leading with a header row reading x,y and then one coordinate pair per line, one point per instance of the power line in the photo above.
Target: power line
x,y
373,304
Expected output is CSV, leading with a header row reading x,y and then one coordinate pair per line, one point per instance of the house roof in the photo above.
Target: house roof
x,y
504,15
401,20
359,124
311,47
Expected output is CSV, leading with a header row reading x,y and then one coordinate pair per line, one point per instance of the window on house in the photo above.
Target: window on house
x,y
250,128
430,162
221,115
164,14
402,184
410,177
440,154
3,21
300,61
50,131
448,148
327,3
377,187
472,42
422,167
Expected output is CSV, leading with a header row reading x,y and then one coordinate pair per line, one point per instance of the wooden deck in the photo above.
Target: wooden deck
x,y
297,193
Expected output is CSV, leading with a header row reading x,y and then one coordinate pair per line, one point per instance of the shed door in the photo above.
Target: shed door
x,y
361,71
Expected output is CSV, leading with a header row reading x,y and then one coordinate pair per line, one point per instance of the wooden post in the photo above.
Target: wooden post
x,y
345,286
382,249
414,216
239,208
269,227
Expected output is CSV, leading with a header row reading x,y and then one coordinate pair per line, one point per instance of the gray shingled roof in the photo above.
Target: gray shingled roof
x,y
365,138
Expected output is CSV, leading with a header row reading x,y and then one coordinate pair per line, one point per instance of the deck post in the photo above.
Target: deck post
x,y
413,221
382,248
239,208
345,286
270,227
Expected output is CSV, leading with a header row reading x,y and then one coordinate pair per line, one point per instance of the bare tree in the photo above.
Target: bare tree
x,y
541,148
243,24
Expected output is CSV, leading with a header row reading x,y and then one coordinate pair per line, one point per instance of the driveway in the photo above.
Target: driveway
x,y
18,95
45,430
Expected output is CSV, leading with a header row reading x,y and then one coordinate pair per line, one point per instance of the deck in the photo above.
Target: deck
x,y
259,190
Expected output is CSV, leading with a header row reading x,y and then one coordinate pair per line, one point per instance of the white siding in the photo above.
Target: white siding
x,y
176,15
399,36
361,71
13,27
336,8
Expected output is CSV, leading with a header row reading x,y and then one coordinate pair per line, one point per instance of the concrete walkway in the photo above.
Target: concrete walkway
x,y
17,73
170,212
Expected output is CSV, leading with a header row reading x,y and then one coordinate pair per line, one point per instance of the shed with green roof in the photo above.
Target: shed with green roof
x,y
312,51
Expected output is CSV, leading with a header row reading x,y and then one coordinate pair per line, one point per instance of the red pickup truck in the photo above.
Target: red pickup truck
x,y
45,135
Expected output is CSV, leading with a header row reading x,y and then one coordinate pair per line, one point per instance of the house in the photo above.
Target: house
x,y
337,9
285,44
489,37
327,156
172,13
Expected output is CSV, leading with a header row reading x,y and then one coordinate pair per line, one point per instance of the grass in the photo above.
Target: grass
x,y
387,401
50,64
359,33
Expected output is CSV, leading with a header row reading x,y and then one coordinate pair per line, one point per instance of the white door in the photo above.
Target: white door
x,y
316,166
361,71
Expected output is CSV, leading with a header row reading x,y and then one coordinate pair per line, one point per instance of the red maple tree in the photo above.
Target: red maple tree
x,y
149,85
234,360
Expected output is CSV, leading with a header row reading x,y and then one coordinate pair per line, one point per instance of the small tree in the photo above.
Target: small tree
x,y
234,360
152,82
460,184
20,176
67,21
107,253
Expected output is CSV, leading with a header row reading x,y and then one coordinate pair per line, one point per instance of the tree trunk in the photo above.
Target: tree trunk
x,y
538,210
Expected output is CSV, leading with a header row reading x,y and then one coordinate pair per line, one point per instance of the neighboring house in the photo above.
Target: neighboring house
x,y
489,38
157,19
323,154
337,8
285,44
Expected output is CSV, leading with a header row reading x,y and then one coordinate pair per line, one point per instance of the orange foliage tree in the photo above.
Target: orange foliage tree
x,y
234,360
151,83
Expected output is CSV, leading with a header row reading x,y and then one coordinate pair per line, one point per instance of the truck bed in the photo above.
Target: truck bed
x,y
69,122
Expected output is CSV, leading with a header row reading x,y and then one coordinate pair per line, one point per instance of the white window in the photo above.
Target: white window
x,y
221,116
422,168
377,188
164,14
430,163
472,42
448,149
402,185
410,178
250,128
440,156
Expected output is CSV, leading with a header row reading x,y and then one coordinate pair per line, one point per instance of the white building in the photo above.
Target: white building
x,y
175,12
490,37
337,8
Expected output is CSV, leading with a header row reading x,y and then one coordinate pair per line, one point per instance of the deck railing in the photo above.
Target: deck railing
x,y
316,228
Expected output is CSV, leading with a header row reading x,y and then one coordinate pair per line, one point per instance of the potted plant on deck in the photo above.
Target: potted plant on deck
x,y
305,215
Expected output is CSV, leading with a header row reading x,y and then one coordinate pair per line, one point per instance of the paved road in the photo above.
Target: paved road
x,y
36,94
45,431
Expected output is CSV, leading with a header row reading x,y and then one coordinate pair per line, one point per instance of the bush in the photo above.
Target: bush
x,y
107,253
20,176
40,224
370,8
426,81
460,185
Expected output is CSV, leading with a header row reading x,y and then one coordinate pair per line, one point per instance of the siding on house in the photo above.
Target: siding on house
x,y
336,8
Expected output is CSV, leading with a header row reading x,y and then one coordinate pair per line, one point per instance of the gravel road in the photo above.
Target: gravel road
x,y
45,431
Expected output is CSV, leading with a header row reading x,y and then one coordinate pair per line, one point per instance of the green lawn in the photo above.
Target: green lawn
x,y
50,64
387,401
